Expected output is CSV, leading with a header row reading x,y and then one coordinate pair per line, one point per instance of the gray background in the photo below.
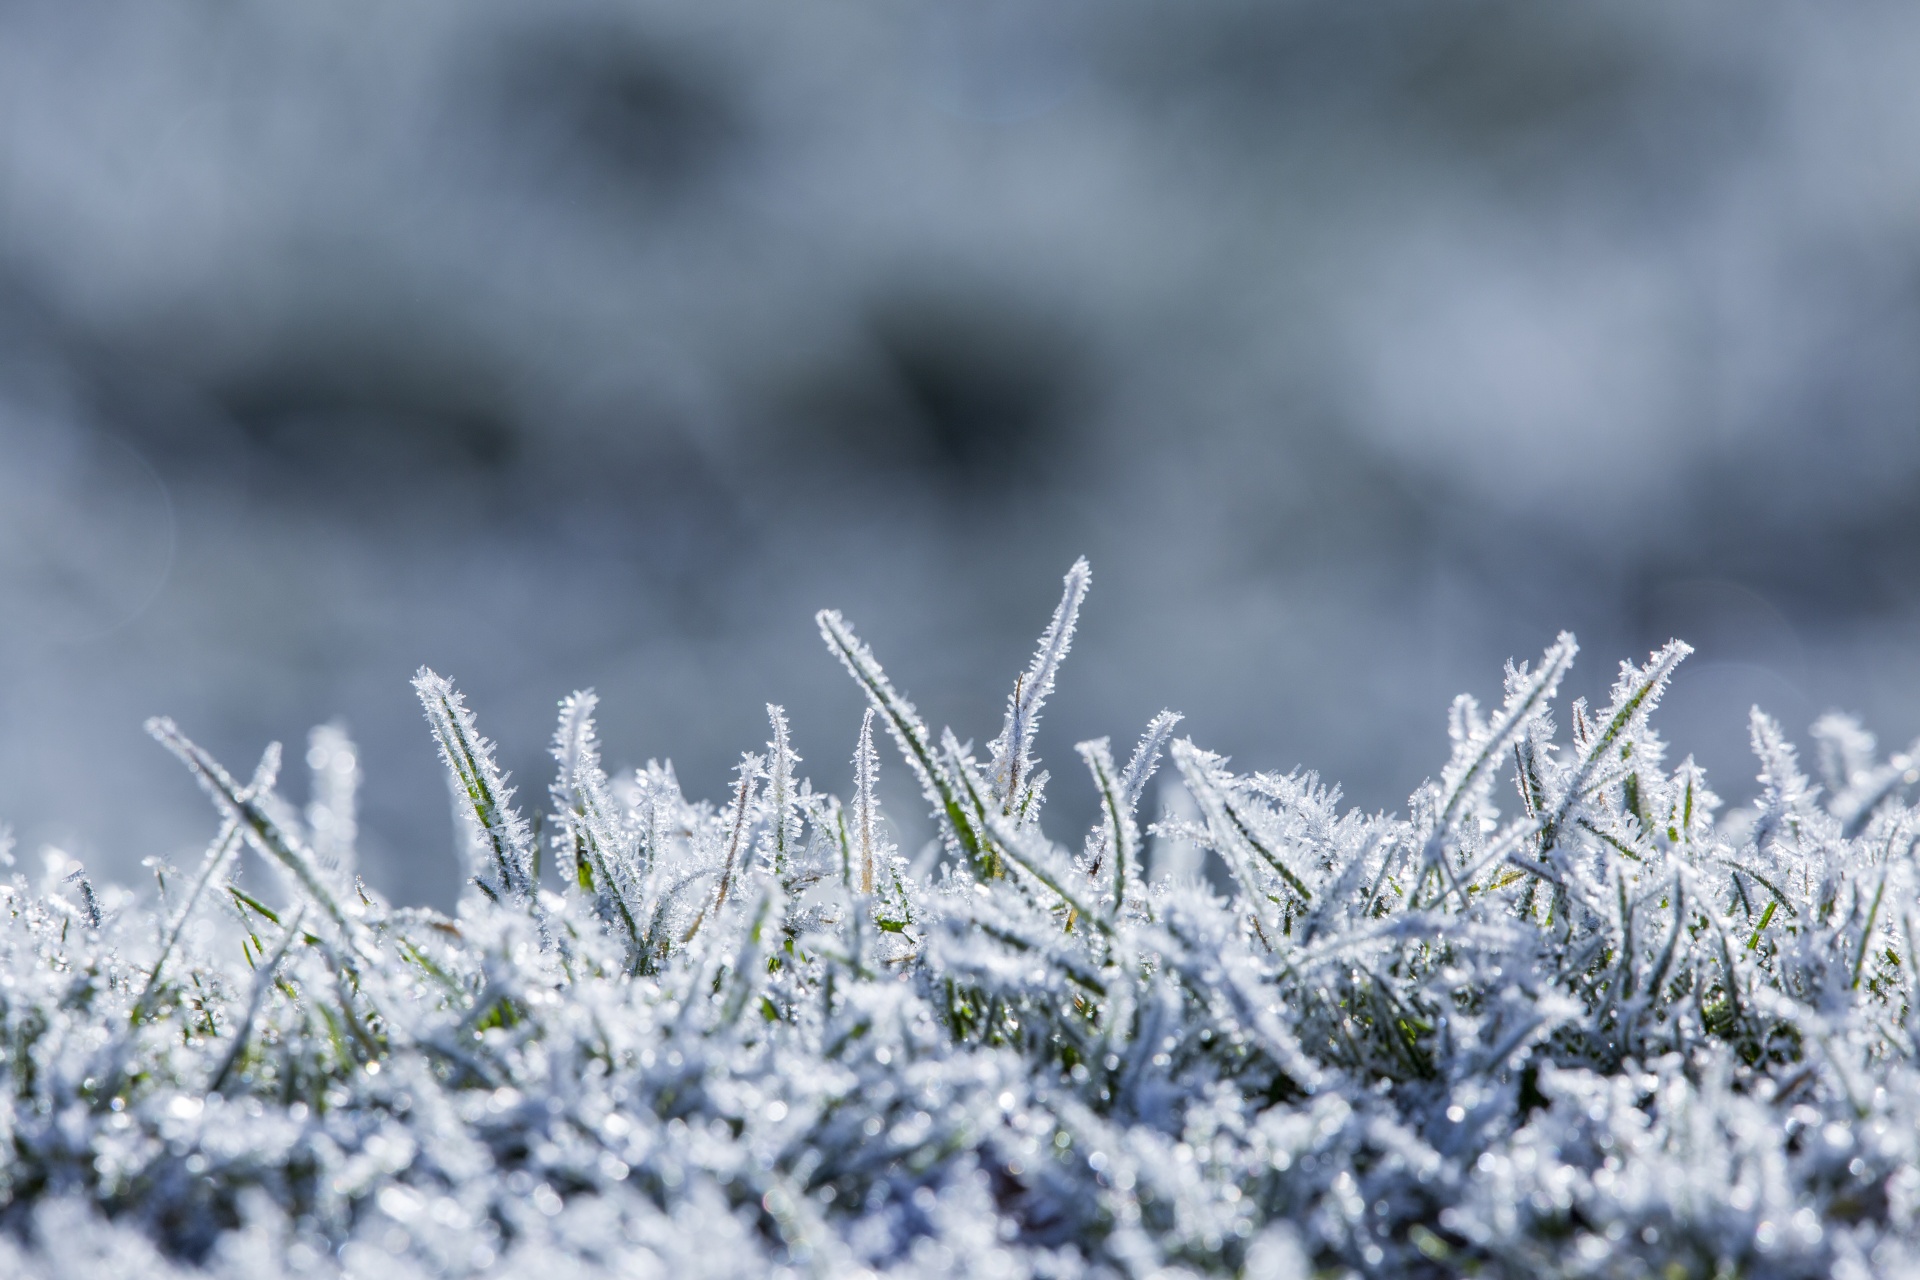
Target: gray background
x,y
1360,346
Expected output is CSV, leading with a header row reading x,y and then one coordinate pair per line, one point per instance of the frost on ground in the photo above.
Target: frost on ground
x,y
1560,1020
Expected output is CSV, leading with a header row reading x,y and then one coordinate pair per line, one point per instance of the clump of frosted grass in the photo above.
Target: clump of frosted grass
x,y
1561,1020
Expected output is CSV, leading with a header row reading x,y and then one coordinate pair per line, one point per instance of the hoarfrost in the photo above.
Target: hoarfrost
x,y
1584,1027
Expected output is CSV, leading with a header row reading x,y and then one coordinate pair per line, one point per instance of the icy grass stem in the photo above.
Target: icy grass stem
x,y
1121,837
910,732
263,980
267,835
866,768
1012,750
219,853
500,829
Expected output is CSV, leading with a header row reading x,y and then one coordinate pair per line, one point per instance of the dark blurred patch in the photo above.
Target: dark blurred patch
x,y
961,389
1599,105
986,389
349,413
1491,71
1474,70
1324,496
603,103
1724,621
1845,562
1248,61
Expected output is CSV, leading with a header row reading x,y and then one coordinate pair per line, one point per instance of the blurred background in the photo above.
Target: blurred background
x,y
600,342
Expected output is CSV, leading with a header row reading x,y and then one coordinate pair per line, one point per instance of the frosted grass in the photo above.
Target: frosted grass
x,y
1564,1019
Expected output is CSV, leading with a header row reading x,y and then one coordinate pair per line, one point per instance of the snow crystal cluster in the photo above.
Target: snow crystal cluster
x,y
1559,1021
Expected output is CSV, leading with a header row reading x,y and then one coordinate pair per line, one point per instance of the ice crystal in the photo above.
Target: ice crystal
x,y
1585,1027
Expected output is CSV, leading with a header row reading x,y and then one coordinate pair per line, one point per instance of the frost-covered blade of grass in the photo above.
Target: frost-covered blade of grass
x,y
1017,788
500,835
250,811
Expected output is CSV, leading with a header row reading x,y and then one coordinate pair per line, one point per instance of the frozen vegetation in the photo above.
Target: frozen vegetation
x,y
1563,1018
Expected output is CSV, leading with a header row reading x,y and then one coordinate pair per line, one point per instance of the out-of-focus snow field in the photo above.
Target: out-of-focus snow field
x,y
585,343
